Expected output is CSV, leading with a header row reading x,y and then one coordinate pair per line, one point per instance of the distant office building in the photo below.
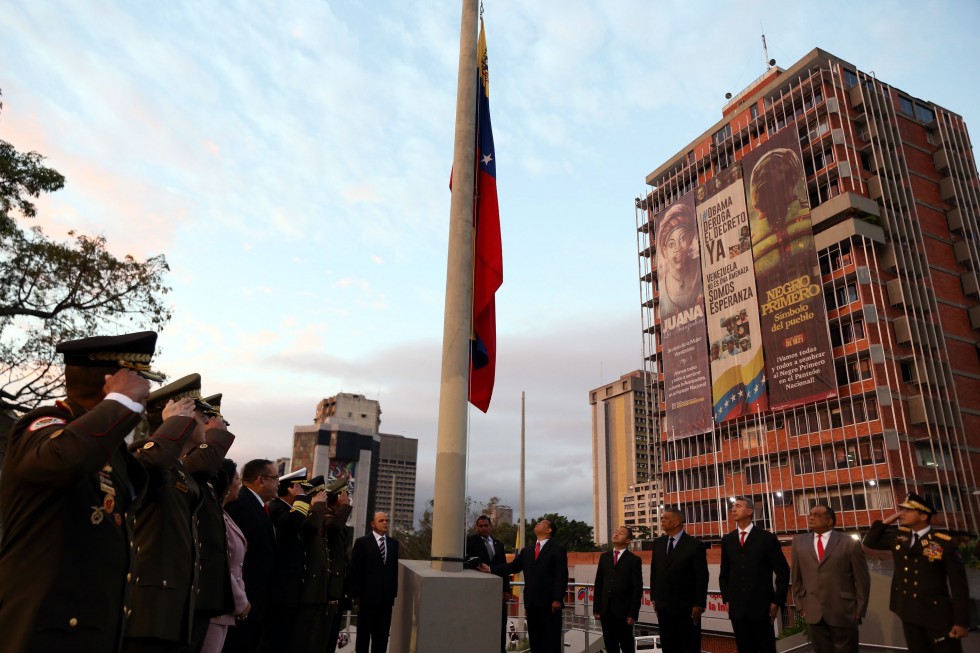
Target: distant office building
x,y
282,464
344,441
623,449
809,292
352,411
396,472
641,509
502,514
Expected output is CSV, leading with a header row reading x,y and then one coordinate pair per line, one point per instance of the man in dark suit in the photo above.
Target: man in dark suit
x,y
935,610
490,551
545,568
68,486
374,585
618,591
260,482
831,583
750,556
678,584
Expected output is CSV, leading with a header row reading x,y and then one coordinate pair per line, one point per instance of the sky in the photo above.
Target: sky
x,y
291,160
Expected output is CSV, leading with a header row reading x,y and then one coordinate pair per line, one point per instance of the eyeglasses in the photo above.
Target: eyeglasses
x,y
273,477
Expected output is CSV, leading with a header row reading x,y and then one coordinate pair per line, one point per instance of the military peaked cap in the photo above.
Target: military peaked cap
x,y
131,351
188,386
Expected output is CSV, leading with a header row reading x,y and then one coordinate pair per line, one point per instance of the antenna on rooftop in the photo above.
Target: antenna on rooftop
x,y
765,49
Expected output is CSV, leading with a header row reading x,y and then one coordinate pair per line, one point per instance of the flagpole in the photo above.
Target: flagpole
x,y
520,531
448,513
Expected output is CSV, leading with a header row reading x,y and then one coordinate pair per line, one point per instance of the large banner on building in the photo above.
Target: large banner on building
x,y
738,379
687,387
799,364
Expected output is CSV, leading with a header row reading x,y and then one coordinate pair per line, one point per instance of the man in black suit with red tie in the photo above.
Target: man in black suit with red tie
x,y
618,590
490,551
678,584
545,568
249,513
750,557
374,585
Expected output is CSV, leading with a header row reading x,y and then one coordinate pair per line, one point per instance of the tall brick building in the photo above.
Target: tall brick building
x,y
893,194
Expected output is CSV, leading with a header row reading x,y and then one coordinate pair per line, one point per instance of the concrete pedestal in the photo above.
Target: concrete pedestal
x,y
445,611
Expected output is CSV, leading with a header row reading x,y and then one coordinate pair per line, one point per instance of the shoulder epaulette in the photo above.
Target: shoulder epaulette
x,y
942,536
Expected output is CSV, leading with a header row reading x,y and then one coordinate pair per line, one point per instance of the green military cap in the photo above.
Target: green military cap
x,y
214,401
131,351
188,386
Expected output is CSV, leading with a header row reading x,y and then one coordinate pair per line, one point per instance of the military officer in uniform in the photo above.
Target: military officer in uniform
x,y
929,588
323,596
177,463
68,485
214,596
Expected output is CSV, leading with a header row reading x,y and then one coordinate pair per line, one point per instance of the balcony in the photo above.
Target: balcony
x,y
961,249
909,331
955,220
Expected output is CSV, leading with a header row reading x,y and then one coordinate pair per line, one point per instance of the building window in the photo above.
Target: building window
x,y
842,333
850,78
722,135
923,113
905,106
934,456
754,111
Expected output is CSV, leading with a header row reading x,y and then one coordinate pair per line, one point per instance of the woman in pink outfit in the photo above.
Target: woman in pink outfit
x,y
228,481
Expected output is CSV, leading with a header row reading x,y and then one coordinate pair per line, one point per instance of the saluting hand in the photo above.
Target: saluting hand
x,y
180,408
129,384
214,422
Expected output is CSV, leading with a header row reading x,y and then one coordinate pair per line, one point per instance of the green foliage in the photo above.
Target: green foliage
x,y
54,291
798,625
572,534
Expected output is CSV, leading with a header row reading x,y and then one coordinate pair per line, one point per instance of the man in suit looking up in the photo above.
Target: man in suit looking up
x,y
490,551
831,583
678,584
249,513
618,590
374,585
545,568
750,557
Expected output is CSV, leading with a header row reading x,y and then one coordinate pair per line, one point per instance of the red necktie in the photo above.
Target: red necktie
x,y
615,557
741,538
820,547
265,506
537,549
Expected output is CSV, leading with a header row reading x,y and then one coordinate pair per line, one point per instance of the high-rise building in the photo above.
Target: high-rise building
x,y
502,514
622,455
834,312
344,441
395,492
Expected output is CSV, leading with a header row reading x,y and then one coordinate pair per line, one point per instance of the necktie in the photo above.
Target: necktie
x,y
915,538
820,547
265,506
537,549
615,557
384,552
489,543
670,545
741,538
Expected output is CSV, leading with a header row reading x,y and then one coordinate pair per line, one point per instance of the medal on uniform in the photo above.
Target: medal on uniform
x,y
97,515
933,551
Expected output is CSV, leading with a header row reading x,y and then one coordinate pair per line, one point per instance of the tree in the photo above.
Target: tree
x,y
54,291
572,534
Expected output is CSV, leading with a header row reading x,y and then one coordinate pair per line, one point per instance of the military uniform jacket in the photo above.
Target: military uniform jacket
x,y
166,533
326,556
68,482
214,595
929,586
293,529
